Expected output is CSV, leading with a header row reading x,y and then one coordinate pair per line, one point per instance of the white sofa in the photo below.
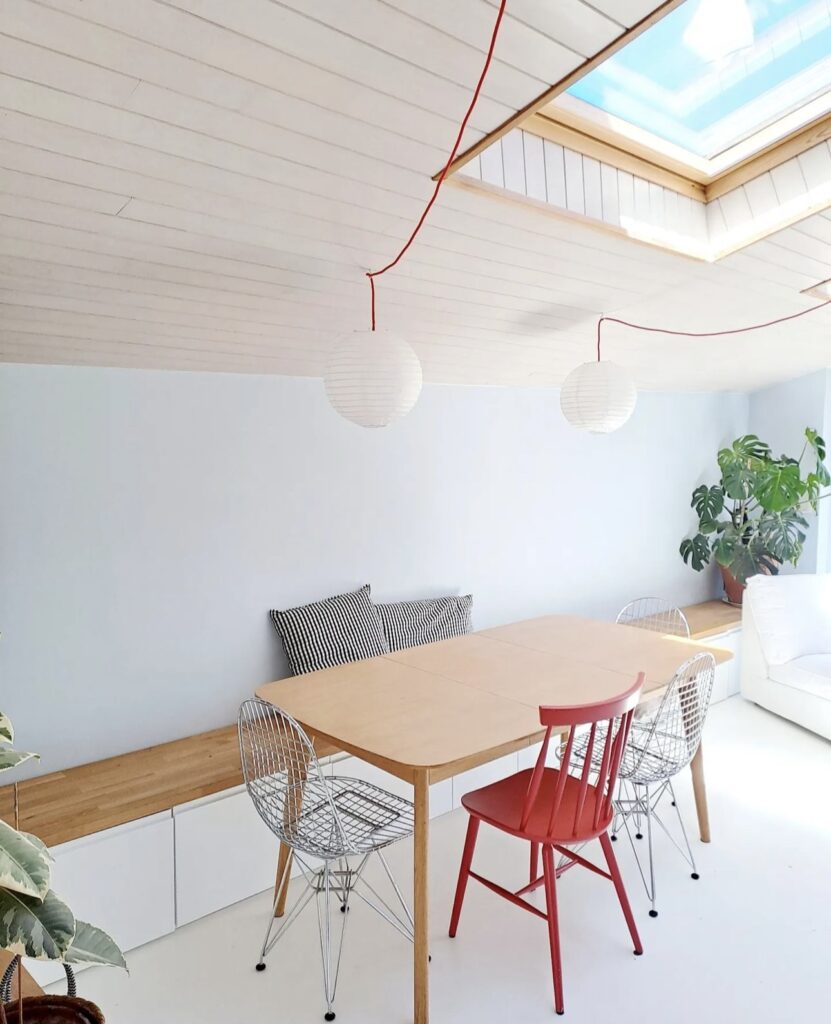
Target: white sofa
x,y
786,648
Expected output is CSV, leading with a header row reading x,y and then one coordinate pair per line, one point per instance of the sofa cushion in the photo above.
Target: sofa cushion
x,y
792,615
338,629
810,673
410,623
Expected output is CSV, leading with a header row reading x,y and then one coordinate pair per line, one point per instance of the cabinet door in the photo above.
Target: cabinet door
x,y
121,879
728,674
224,853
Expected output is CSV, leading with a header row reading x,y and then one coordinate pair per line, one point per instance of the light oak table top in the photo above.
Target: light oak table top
x,y
447,706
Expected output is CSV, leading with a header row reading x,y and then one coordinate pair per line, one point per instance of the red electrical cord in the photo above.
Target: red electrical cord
x,y
705,334
372,274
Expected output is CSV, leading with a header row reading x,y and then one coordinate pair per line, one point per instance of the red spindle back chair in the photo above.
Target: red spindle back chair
x,y
554,810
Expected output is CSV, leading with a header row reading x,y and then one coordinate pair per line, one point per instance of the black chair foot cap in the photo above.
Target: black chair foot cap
x,y
638,835
560,1012
429,958
695,875
653,913
343,908
613,838
638,952
329,1016
260,967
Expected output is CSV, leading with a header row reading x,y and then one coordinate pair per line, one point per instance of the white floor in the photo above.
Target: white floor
x,y
749,942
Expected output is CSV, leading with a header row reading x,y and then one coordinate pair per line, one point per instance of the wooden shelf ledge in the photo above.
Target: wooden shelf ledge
x,y
77,802
711,618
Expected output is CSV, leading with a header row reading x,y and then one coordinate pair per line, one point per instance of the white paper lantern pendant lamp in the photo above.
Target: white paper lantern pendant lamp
x,y
372,378
599,397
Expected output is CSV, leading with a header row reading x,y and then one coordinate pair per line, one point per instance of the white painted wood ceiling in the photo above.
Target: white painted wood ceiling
x,y
202,184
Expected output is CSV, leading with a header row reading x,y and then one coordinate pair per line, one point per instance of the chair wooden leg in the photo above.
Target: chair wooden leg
x,y
550,873
614,871
281,883
534,870
700,793
464,872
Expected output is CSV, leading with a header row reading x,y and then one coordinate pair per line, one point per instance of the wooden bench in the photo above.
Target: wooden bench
x,y
66,805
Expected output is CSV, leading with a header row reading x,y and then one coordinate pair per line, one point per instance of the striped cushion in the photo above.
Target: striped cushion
x,y
343,628
410,623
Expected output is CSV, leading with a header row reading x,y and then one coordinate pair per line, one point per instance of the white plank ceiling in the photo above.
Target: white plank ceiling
x,y
202,184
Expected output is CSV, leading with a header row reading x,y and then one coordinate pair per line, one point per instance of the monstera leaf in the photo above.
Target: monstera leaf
x,y
752,559
92,945
724,549
708,503
779,486
24,863
783,534
816,442
6,729
40,929
696,551
740,464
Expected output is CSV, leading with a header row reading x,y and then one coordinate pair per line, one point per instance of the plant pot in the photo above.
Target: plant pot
x,y
733,590
54,1010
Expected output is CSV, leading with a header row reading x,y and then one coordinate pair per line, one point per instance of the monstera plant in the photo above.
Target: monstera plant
x,y
34,922
754,519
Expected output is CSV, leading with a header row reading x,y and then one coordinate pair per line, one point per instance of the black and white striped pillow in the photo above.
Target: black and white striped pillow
x,y
346,627
410,623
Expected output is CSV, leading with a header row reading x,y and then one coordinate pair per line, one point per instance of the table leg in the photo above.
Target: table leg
x,y
421,951
700,791
284,876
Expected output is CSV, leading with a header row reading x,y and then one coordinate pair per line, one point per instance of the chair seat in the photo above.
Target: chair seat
x,y
500,804
643,759
371,818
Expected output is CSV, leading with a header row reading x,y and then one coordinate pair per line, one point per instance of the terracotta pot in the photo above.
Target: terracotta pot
x,y
55,1010
733,590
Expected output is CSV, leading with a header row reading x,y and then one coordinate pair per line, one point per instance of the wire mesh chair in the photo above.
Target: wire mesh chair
x,y
330,819
660,746
656,615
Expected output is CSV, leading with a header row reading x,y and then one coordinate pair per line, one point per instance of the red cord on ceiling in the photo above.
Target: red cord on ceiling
x,y
372,274
705,334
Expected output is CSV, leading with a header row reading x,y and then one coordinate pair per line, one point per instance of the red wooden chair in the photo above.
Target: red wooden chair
x,y
554,810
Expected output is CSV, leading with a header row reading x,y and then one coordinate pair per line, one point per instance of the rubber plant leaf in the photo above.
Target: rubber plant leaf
x,y
92,945
24,865
39,929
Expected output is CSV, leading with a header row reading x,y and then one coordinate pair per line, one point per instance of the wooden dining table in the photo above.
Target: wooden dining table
x,y
428,713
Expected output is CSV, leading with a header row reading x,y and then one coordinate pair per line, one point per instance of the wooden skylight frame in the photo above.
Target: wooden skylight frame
x,y
545,118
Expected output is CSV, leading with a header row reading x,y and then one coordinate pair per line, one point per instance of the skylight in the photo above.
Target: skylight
x,y
715,80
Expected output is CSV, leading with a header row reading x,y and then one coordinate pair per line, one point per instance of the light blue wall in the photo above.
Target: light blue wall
x,y
779,415
152,519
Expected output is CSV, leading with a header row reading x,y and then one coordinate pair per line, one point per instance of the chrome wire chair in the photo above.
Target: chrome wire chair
x,y
326,822
663,740
660,746
655,614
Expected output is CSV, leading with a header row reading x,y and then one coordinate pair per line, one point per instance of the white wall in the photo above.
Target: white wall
x,y
779,415
152,519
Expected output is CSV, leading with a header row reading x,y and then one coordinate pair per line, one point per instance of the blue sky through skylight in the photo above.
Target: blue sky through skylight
x,y
713,72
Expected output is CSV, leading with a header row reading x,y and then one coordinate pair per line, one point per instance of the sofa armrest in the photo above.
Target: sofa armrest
x,y
754,667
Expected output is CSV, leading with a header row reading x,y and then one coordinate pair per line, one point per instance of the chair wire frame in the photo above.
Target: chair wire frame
x,y
660,745
656,615
333,825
